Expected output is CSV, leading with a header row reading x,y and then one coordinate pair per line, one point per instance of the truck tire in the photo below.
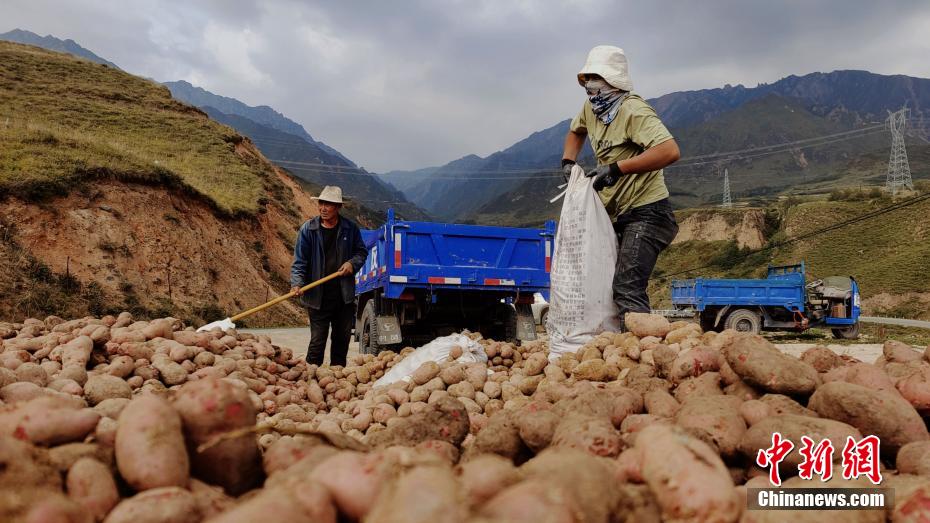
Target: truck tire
x,y
744,320
368,338
501,324
847,333
543,318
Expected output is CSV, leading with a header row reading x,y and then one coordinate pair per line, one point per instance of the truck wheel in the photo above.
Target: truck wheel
x,y
501,324
544,317
848,333
368,341
744,320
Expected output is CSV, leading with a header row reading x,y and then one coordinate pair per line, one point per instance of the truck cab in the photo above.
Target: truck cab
x,y
784,300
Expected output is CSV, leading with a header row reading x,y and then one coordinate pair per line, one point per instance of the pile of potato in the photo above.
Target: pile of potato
x,y
118,420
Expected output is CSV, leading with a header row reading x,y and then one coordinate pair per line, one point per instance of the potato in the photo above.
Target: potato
x,y
32,373
694,362
660,403
453,374
210,501
354,480
821,358
40,506
23,465
912,505
63,457
886,415
446,419
425,372
485,476
781,404
588,480
213,406
307,502
501,436
898,352
716,420
536,423
595,435
111,408
594,369
477,375
103,387
915,388
402,501
76,352
91,485
754,411
535,364
914,458
157,505
645,324
532,501
688,479
171,373
760,364
863,374
707,384
150,450
45,421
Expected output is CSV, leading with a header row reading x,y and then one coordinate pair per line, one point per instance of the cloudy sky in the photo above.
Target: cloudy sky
x,y
407,84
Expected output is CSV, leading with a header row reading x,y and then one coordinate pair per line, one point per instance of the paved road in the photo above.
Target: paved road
x,y
896,321
297,339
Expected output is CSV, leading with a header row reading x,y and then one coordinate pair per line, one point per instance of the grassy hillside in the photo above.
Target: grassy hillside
x,y
65,121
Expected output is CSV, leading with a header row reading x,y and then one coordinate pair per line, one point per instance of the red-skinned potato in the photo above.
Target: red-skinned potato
x,y
150,450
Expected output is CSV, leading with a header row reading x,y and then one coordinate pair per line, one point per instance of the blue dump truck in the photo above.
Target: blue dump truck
x,y
782,301
423,280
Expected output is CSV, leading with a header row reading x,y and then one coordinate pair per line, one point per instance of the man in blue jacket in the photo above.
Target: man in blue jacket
x,y
326,244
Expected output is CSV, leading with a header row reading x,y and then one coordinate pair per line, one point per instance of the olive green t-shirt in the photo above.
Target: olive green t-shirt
x,y
635,128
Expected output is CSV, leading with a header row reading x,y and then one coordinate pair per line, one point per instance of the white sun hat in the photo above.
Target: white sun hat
x,y
609,63
330,193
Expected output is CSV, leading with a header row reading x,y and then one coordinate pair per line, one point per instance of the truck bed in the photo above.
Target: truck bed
x,y
409,254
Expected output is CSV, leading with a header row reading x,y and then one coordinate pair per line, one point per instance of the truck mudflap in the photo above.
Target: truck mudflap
x,y
526,324
388,330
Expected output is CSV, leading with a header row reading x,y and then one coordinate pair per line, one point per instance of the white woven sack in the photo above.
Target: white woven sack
x,y
581,301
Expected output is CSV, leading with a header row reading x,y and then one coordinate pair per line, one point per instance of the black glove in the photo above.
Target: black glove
x,y
605,175
567,168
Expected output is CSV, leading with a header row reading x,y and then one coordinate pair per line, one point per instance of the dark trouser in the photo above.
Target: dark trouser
x,y
642,233
341,317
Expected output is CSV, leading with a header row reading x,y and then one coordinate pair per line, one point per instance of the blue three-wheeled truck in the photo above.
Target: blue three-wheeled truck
x,y
782,301
424,280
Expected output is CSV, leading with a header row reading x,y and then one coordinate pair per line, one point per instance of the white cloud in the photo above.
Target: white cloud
x,y
409,84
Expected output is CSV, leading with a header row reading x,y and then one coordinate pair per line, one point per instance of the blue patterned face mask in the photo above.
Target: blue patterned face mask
x,y
605,99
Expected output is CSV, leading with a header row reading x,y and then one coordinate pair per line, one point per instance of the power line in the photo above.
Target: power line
x,y
862,217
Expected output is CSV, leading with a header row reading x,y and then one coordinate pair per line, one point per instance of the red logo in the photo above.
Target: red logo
x,y
774,455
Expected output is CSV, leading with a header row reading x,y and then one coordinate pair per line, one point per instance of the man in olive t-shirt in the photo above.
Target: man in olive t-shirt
x,y
632,146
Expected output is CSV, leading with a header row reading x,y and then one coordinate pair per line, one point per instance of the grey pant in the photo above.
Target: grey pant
x,y
642,233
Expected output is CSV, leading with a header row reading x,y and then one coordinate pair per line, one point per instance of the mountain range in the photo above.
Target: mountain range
x,y
54,44
513,186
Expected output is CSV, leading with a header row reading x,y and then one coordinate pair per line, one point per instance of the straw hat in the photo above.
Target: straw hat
x,y
609,63
330,193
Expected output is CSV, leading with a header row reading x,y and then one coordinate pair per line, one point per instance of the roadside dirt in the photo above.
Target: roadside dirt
x,y
746,227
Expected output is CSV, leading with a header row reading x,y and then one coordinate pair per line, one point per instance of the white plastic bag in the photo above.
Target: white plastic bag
x,y
581,301
438,351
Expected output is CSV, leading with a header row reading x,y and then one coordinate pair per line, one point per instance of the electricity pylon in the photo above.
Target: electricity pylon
x,y
899,171
727,202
